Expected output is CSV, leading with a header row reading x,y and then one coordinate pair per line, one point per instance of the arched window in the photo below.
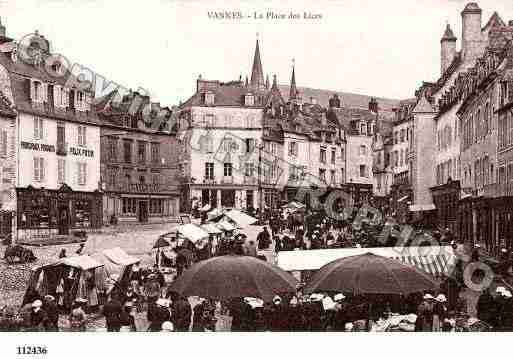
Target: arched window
x,y
487,118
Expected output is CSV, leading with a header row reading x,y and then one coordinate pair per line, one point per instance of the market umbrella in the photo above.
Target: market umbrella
x,y
233,276
161,242
370,274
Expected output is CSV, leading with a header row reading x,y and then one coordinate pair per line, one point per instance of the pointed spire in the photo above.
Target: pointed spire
x,y
257,74
275,83
448,34
267,82
246,83
293,88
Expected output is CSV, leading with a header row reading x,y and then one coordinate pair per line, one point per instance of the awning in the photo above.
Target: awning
x,y
215,213
205,208
294,205
120,257
422,207
84,262
435,265
403,198
241,219
226,226
433,260
211,228
192,232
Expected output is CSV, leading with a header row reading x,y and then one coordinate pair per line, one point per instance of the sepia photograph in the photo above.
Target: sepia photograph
x,y
200,166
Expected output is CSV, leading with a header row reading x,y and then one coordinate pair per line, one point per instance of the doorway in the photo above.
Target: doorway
x,y
143,211
63,225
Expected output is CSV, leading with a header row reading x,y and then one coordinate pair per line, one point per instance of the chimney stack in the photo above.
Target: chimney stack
x,y
447,49
373,105
471,39
2,29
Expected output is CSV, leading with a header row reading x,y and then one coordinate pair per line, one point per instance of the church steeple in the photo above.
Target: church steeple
x,y
275,83
257,74
293,94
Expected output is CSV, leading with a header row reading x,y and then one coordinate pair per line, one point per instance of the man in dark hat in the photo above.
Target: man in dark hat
x,y
182,312
50,307
263,239
38,317
159,314
112,312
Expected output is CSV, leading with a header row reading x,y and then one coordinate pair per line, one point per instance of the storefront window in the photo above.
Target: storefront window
x,y
156,206
129,206
82,213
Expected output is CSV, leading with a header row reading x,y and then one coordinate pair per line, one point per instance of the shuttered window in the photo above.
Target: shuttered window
x,y
82,173
61,171
39,169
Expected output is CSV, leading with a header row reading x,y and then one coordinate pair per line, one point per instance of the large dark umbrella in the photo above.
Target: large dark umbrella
x,y
233,276
370,274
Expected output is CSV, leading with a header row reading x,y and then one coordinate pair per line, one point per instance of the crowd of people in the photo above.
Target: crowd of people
x,y
144,293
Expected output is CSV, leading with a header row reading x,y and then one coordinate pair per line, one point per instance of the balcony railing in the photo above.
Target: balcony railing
x,y
497,190
211,180
250,180
227,180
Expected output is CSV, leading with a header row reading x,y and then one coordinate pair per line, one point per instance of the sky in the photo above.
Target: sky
x,y
377,48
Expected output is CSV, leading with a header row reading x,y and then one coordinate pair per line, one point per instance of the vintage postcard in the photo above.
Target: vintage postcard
x,y
200,166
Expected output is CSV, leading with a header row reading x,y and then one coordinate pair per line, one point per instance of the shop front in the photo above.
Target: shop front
x,y
445,198
44,213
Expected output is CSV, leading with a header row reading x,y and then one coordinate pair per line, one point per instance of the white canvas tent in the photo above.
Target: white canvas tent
x,y
192,232
116,262
241,219
436,260
226,226
211,228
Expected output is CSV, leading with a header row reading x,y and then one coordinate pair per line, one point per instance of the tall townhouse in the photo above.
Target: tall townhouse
x,y
57,144
7,165
436,166
139,162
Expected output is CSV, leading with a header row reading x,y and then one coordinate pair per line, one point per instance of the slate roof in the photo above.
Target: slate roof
x,y
20,73
5,106
227,95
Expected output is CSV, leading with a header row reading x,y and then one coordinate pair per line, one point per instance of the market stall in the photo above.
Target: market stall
x,y
117,263
436,261
240,219
68,279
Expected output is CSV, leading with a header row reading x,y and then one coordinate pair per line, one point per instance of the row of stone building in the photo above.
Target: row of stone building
x,y
459,161
69,161
244,145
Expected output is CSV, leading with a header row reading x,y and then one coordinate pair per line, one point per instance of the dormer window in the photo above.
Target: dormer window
x,y
37,94
209,98
249,100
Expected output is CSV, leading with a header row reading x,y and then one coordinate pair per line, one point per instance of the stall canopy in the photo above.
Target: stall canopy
x,y
294,205
433,260
241,219
226,226
215,213
116,262
192,232
83,262
211,228
205,208
118,256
